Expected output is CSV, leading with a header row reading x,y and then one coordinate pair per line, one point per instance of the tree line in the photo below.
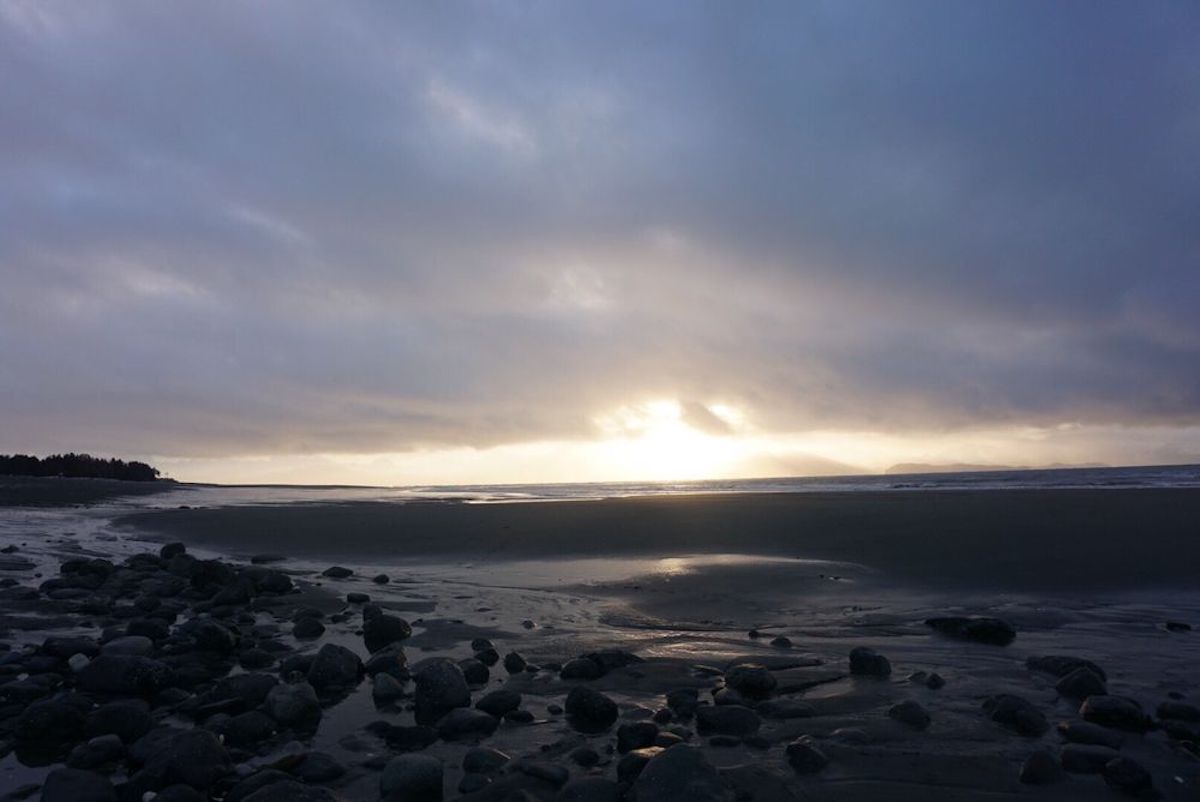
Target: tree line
x,y
77,466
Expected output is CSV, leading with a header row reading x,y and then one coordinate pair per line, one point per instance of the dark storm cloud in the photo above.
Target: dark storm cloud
x,y
239,228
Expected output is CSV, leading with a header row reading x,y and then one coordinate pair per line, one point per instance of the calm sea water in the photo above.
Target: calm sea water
x,y
1096,478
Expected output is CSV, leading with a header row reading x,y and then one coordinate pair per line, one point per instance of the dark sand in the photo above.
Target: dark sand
x,y
29,491
1036,540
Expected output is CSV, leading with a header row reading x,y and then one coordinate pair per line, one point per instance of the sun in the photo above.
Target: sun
x,y
652,441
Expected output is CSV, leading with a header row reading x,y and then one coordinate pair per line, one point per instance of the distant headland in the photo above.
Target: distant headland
x,y
78,466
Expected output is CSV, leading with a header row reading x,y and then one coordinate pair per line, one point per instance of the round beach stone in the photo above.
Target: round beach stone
x,y
482,760
979,629
499,702
1040,768
514,663
76,785
464,722
337,572
680,774
440,687
383,630
1085,759
636,735
751,680
1080,684
581,668
910,713
590,789
411,777
589,710
335,667
308,629
386,688
727,720
1128,776
866,662
1118,712
293,704
1084,732
804,757
1016,714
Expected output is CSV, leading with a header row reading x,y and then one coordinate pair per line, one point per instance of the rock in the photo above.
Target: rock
x,y
683,702
464,722
125,674
293,704
381,579
935,681
128,719
409,778
1083,732
751,680
489,657
1177,626
244,789
581,668
866,662
727,720
63,648
385,688
192,757
153,628
337,572
129,644
308,629
355,597
268,557
782,642
313,767
632,763
50,721
99,751
335,667
590,789
180,793
541,770
208,635
1040,768
584,756
384,630
910,713
1128,776
481,760
514,663
276,582
804,757
291,791
171,550
590,711
1017,714
499,702
1117,712
785,709
1061,665
1082,759
250,688
636,735
388,660
75,785
475,672
978,629
248,730
1080,684
680,774
1179,711
441,687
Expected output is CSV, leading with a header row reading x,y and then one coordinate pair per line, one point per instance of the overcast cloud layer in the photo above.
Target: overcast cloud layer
x,y
273,228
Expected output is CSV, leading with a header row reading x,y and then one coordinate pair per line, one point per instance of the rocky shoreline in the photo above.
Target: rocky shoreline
x,y
184,679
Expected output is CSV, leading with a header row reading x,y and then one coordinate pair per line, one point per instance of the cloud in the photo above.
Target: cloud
x,y
275,229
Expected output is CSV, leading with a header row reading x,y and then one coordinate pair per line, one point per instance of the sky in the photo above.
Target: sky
x,y
408,243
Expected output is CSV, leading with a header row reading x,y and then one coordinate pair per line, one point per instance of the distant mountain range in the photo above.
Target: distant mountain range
x,y
965,467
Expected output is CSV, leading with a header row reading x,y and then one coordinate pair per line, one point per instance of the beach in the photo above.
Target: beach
x,y
721,626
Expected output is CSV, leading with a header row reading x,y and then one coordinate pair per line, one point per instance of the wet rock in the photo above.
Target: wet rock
x,y
935,681
411,778
122,674
1177,626
910,713
381,579
514,663
1060,665
782,642
293,704
636,735
1118,712
865,662
274,582
1180,711
475,672
255,782
481,760
385,688
1040,768
683,702
335,667
291,791
171,550
313,767
1085,759
308,629
1080,684
100,751
402,738
751,680
337,572
540,769
727,720
440,687
129,644
471,782
1016,714
128,719
1083,732
209,635
590,789
680,774
356,597
383,630
63,648
465,722
388,660
180,793
263,559
76,785
633,763
1128,776
974,628
499,702
247,730
589,710
153,628
785,709
804,757
489,656
51,721
585,756
192,757
581,668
